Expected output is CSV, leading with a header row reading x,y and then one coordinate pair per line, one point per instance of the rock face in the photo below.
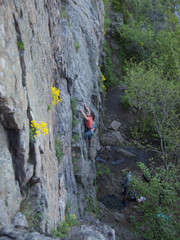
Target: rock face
x,y
91,229
43,44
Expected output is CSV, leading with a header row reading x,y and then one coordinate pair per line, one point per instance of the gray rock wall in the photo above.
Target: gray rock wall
x,y
44,43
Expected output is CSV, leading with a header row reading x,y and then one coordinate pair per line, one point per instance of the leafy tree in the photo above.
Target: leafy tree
x,y
159,213
151,93
151,32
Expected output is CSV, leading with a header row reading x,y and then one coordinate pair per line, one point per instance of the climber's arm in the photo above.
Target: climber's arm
x,y
87,109
84,115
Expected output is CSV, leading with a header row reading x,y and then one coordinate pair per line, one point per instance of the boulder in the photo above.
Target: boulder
x,y
111,138
11,232
126,153
19,220
91,229
119,217
115,125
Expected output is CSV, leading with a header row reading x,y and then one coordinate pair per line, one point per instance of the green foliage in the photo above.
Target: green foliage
x,y
165,52
73,161
143,9
63,13
153,95
103,170
92,206
31,135
32,213
74,111
159,218
64,226
145,37
73,106
76,45
48,107
59,149
144,127
109,67
135,40
75,137
125,101
76,170
20,45
107,21
74,122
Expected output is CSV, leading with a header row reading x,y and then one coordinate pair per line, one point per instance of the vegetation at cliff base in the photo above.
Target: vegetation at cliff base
x,y
147,45
64,226
149,52
158,207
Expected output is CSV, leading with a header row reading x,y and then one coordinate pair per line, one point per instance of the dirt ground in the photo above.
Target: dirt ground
x,y
111,186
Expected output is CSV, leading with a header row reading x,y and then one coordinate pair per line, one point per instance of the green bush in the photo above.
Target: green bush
x,y
107,20
156,100
75,137
77,46
31,135
59,149
159,218
63,13
32,214
103,170
73,106
20,45
64,226
48,107
74,122
109,67
144,38
125,101
92,206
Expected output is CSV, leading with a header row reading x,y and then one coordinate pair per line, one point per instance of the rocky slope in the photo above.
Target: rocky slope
x,y
42,44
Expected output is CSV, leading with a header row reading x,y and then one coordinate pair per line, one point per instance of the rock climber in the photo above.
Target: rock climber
x,y
89,123
125,181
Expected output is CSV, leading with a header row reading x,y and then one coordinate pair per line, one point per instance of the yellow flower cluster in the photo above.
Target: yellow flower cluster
x,y
73,216
55,98
103,79
39,128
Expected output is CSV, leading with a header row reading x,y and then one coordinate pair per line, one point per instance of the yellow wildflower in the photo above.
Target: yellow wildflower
x,y
39,128
55,98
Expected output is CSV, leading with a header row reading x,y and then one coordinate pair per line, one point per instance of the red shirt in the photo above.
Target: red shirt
x,y
88,122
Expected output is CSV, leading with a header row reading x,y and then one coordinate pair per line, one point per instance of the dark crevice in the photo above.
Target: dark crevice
x,y
31,53
17,156
20,46
23,67
21,13
69,85
36,5
32,154
49,25
47,10
8,236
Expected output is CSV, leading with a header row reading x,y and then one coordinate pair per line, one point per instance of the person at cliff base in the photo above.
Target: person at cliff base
x,y
125,181
89,117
